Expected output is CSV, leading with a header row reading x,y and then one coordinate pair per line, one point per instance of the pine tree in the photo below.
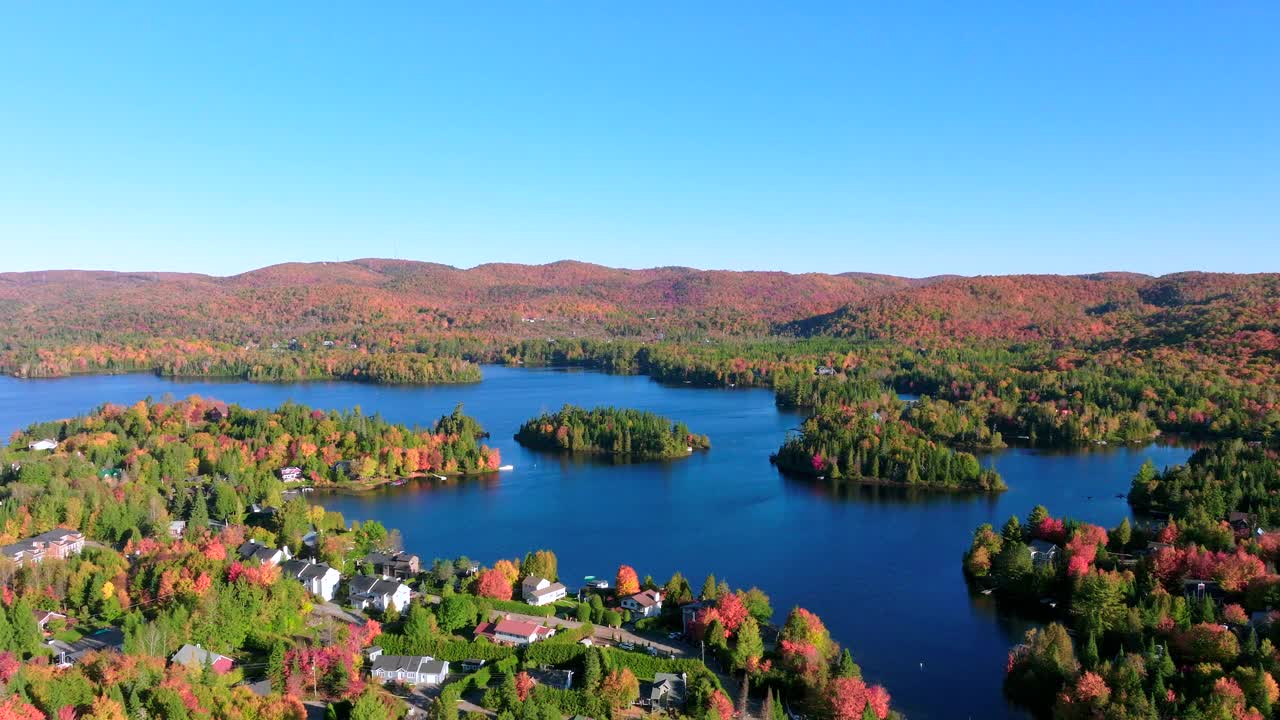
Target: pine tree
x,y
198,519
708,589
1089,654
1012,531
591,671
847,668
766,710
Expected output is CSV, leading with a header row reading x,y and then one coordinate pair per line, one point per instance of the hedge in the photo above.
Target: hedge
x,y
645,666
441,649
546,653
572,702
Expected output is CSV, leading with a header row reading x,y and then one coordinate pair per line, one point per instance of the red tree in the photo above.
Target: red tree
x,y
524,685
627,582
732,611
493,584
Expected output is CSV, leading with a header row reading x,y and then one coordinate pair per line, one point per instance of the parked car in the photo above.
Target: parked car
x,y
653,651
472,665
673,636
627,646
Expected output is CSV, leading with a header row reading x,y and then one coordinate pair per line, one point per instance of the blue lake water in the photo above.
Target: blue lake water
x,y
881,566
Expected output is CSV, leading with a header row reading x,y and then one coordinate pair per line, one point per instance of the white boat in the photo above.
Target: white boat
x,y
441,477
505,468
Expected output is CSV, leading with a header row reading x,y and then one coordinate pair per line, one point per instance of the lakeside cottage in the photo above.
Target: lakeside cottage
x,y
45,444
514,632
217,412
1043,552
646,603
194,656
541,591
254,550
400,565
57,543
291,474
366,591
407,669
318,578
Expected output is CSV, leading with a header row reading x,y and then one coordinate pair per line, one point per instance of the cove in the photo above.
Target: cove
x,y
880,565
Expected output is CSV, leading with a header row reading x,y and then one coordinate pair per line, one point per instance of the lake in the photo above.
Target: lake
x,y
881,566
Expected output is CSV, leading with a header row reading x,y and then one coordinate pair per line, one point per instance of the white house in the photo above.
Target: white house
x,y
318,578
1043,552
541,591
45,444
646,603
407,669
366,592
254,550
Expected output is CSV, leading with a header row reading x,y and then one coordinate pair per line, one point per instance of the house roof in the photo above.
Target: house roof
x,y
646,598
516,628
669,685
420,664
194,655
252,549
305,569
37,542
105,639
369,585
1043,546
539,592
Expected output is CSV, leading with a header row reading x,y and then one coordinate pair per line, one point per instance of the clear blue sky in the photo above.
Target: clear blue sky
x,y
923,139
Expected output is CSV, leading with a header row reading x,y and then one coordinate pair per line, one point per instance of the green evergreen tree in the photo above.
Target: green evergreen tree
x,y
1012,531
369,707
708,589
846,667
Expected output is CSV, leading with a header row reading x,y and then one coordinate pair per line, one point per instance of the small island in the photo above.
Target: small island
x,y
619,432
844,443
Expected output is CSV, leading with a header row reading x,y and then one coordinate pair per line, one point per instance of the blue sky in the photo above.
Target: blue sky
x,y
914,140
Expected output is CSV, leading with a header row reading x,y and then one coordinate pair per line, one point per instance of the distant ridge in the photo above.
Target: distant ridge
x,y
575,298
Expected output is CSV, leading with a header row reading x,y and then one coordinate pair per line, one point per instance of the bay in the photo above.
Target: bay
x,y
880,565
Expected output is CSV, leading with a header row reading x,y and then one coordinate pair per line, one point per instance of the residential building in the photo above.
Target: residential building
x,y
366,591
541,591
407,669
177,529
514,632
194,656
45,444
553,678
400,565
1043,552
688,613
291,474
666,691
44,617
57,543
646,603
266,555
105,640
318,578
217,412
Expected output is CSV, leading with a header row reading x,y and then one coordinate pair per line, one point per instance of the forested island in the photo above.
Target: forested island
x,y
859,445
1170,619
619,432
150,569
